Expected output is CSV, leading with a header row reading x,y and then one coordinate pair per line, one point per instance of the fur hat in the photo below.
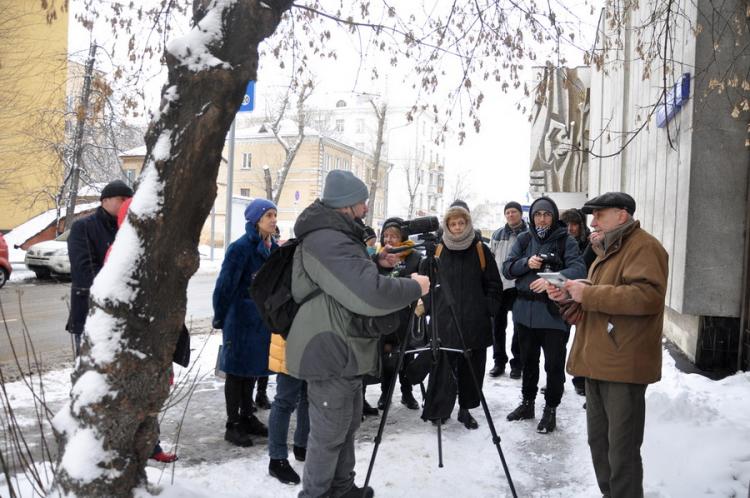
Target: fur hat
x,y
454,212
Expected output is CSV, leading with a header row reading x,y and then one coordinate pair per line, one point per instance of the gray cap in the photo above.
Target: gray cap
x,y
343,189
543,204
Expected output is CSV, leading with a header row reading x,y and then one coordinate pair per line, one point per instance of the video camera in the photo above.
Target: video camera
x,y
425,228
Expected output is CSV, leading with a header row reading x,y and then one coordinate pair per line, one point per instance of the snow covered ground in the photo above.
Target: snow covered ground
x,y
697,443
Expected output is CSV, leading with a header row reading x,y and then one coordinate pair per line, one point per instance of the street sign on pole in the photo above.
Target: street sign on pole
x,y
248,101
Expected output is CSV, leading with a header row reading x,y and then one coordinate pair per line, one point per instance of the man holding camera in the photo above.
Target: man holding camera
x,y
617,346
333,341
546,247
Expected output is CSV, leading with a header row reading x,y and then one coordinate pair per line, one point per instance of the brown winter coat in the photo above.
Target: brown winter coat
x,y
629,286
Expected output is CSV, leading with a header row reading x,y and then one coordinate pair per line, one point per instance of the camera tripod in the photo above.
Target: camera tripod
x,y
433,272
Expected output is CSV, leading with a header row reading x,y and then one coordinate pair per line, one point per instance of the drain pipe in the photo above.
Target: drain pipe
x,y
745,283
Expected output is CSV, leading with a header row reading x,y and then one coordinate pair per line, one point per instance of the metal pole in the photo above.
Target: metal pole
x,y
230,173
78,139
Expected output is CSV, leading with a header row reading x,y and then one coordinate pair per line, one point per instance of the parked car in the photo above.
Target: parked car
x,y
5,268
49,258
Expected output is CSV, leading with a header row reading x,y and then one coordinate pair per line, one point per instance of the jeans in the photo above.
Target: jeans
x,y
291,394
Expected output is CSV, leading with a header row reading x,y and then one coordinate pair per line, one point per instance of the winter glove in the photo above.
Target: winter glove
x,y
217,324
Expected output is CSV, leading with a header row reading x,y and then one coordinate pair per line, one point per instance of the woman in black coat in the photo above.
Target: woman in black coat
x,y
468,269
391,236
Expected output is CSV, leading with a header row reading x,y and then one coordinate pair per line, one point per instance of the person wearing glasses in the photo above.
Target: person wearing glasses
x,y
546,247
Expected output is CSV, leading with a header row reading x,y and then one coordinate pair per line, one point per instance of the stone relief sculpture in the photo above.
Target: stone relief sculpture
x,y
559,130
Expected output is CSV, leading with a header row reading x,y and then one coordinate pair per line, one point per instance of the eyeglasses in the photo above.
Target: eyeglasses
x,y
542,214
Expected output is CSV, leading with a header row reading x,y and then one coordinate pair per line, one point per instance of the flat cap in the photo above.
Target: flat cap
x,y
619,200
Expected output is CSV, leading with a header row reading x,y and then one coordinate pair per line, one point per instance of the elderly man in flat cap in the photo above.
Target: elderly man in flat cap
x,y
617,346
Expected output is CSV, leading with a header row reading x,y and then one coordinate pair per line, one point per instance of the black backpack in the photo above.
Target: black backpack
x,y
271,290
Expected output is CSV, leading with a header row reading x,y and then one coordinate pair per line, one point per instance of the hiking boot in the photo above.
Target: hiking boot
x,y
524,411
237,436
281,470
357,492
253,426
548,422
465,418
368,410
516,373
261,401
407,399
497,370
163,457
300,453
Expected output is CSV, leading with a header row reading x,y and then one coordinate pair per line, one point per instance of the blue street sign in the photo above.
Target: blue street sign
x,y
296,195
248,101
677,96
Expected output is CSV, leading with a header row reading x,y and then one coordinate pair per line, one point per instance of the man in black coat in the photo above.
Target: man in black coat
x,y
88,242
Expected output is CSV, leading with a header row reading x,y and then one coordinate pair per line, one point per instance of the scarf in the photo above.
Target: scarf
x,y
461,241
611,238
404,254
542,231
516,229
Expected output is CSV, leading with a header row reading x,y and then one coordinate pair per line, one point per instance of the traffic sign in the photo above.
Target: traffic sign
x,y
248,101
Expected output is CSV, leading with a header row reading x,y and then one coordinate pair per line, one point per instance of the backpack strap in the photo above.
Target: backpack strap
x,y
438,250
480,252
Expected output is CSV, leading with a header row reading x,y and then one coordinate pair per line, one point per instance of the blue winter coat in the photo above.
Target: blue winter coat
x,y
246,338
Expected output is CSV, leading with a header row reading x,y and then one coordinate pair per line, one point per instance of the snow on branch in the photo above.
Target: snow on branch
x,y
192,50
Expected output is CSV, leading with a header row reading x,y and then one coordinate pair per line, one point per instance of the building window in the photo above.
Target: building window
x,y
130,176
339,126
360,126
346,165
245,192
326,162
338,163
341,103
247,160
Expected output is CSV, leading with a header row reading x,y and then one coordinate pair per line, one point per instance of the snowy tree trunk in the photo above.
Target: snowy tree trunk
x,y
380,114
107,430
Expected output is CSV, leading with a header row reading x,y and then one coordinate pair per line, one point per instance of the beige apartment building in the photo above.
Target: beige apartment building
x,y
254,150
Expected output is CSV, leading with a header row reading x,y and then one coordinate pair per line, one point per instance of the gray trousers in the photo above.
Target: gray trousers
x,y
335,409
615,416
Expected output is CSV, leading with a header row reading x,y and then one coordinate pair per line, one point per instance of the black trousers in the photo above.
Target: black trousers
x,y
468,396
553,342
238,394
389,368
501,323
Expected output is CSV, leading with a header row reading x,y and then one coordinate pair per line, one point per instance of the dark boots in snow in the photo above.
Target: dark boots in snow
x,y
407,399
281,470
253,426
548,422
261,401
235,435
368,410
465,418
300,453
357,492
524,411
497,370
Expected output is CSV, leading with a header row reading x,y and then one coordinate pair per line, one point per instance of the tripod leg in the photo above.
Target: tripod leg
x,y
387,407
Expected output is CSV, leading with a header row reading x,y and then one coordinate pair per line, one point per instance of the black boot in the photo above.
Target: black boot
x,y
524,411
357,492
497,370
516,373
381,402
253,426
300,453
235,435
368,410
548,422
465,418
407,399
281,470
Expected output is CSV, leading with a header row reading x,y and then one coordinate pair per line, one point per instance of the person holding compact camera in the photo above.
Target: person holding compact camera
x,y
546,247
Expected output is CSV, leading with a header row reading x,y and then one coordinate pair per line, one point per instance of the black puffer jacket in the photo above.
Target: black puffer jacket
x,y
477,295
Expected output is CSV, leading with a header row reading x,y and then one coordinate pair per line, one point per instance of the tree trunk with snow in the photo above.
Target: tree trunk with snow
x,y
108,429
380,113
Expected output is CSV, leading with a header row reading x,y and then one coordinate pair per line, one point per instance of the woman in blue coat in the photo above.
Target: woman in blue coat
x,y
244,354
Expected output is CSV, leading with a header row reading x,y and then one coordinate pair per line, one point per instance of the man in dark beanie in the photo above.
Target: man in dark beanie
x,y
546,247
333,341
500,245
88,242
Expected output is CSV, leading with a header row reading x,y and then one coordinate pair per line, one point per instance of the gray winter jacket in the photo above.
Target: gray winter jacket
x,y
501,243
328,337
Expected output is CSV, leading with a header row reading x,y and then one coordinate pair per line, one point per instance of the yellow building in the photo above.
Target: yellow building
x,y
33,78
